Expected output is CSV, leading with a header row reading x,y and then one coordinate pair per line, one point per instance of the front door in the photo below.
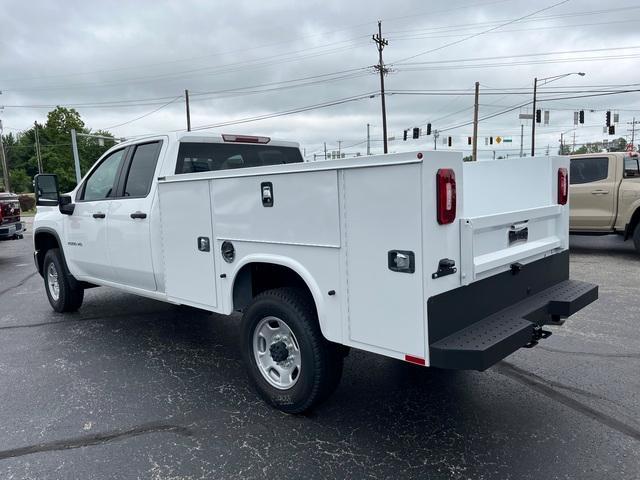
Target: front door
x,y
86,230
130,218
592,193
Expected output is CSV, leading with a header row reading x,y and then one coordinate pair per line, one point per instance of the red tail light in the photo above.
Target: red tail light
x,y
446,194
563,186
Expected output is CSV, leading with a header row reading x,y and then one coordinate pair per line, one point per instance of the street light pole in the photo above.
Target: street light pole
x,y
535,91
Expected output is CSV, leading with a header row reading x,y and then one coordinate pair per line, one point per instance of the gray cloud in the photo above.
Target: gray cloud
x,y
83,52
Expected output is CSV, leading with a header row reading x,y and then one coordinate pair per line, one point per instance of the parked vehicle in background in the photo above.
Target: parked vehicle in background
x,y
417,256
605,195
10,224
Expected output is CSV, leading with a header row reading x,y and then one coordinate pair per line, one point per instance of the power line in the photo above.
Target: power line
x,y
479,33
143,116
265,116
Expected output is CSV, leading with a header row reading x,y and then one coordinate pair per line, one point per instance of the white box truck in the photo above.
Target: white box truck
x,y
416,256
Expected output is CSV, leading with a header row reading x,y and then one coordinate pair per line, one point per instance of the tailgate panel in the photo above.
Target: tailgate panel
x,y
490,244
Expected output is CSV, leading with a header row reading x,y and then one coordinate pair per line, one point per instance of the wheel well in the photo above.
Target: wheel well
x,y
255,278
43,242
635,219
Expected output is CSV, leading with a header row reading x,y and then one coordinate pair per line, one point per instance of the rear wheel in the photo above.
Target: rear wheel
x,y
636,237
62,296
291,365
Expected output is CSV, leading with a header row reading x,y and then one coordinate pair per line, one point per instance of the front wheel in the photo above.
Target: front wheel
x,y
291,365
62,296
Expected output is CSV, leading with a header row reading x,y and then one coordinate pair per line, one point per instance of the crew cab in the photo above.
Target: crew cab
x,y
605,195
10,224
416,256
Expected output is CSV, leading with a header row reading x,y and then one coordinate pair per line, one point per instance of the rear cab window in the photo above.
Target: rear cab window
x,y
631,167
141,169
208,157
588,169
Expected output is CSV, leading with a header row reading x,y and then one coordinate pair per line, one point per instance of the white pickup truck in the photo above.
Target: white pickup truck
x,y
415,256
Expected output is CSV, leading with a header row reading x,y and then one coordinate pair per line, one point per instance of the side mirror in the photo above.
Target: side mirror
x,y
46,188
66,205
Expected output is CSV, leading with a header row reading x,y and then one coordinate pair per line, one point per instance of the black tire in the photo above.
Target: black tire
x,y
636,237
68,298
321,361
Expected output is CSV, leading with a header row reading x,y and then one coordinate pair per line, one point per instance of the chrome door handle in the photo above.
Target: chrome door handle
x,y
99,215
138,215
599,192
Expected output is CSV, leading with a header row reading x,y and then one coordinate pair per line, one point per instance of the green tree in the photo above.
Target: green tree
x,y
55,148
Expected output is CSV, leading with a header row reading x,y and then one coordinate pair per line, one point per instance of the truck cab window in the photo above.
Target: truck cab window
x,y
587,170
631,167
205,157
141,169
100,183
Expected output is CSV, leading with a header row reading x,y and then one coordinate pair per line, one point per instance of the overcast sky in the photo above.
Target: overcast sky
x,y
119,61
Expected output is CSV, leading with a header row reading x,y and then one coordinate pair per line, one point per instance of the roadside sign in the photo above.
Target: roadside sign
x,y
526,116
507,140
498,139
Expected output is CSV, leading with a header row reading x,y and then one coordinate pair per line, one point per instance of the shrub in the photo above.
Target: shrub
x,y
27,202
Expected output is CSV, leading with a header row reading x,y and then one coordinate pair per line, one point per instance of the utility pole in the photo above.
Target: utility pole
x,y
633,130
35,129
325,150
339,148
562,143
186,101
533,118
521,139
381,43
368,141
474,153
573,148
5,167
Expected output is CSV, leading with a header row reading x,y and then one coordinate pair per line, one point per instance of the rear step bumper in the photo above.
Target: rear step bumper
x,y
489,340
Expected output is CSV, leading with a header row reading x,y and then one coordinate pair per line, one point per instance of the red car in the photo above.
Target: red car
x,y
10,224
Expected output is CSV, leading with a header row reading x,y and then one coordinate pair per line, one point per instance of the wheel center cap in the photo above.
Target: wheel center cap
x,y
279,351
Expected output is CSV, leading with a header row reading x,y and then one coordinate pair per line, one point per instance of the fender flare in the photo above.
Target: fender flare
x,y
287,262
51,231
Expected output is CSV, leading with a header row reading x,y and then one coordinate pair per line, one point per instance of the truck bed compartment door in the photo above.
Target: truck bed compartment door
x,y
187,243
381,207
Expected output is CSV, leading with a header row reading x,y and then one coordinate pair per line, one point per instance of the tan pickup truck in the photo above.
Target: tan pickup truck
x,y
605,195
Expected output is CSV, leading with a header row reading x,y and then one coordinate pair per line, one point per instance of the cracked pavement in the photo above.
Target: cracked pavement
x,y
134,388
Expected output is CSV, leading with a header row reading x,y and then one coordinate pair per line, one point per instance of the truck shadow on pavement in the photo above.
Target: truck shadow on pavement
x,y
603,245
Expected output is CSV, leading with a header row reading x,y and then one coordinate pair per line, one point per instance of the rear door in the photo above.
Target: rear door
x,y
130,216
86,230
592,193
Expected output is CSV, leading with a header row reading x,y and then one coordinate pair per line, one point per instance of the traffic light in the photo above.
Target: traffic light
x,y
538,116
612,129
491,139
608,118
428,129
416,132
449,141
404,137
581,116
468,140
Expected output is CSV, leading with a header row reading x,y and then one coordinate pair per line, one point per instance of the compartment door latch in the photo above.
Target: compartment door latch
x,y
403,261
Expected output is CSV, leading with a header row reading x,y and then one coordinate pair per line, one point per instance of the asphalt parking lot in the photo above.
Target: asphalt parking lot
x,y
134,388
